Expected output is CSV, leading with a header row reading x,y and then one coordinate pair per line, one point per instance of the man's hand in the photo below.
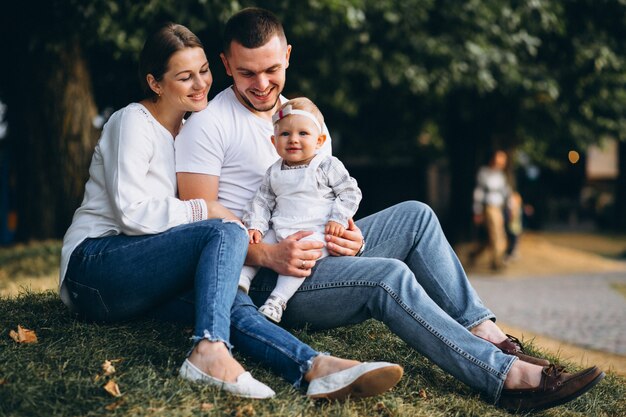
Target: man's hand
x,y
292,256
346,245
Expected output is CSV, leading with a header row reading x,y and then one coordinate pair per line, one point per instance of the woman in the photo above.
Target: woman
x,y
134,248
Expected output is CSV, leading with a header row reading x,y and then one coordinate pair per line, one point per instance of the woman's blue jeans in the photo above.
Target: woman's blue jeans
x,y
121,277
410,279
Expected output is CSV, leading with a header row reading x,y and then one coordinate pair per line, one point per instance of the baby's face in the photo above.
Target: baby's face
x,y
296,139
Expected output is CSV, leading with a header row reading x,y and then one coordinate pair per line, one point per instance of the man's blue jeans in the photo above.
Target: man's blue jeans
x,y
120,277
410,279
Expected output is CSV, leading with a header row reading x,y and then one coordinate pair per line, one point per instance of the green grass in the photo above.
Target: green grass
x,y
57,376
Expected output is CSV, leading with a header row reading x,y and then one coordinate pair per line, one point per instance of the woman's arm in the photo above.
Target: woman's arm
x,y
135,177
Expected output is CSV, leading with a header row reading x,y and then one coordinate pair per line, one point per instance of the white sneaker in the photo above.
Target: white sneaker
x,y
246,386
273,308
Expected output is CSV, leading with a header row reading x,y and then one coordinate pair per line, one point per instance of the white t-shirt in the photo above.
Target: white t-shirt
x,y
229,141
492,189
132,184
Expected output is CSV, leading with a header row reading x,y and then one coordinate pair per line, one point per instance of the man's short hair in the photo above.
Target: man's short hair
x,y
252,27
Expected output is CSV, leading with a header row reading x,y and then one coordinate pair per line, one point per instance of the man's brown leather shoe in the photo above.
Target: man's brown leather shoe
x,y
512,346
556,387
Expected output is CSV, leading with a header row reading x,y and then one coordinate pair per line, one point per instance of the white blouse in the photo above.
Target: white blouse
x,y
132,185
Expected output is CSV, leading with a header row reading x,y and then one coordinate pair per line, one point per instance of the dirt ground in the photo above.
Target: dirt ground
x,y
561,253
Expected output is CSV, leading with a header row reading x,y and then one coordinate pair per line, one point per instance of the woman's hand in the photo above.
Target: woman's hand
x,y
292,256
346,245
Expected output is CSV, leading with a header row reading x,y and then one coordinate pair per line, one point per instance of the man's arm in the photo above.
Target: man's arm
x,y
203,186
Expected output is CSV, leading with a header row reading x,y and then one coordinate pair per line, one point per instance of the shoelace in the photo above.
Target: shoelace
x,y
518,345
553,370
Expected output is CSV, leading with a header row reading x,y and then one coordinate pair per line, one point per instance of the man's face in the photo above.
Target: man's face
x,y
258,74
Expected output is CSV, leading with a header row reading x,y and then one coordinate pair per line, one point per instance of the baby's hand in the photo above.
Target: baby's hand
x,y
334,228
255,236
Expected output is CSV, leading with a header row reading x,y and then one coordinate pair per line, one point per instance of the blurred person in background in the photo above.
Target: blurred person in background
x,y
491,195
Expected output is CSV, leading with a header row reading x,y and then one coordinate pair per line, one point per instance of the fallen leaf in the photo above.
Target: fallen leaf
x,y
245,411
422,393
114,405
108,368
382,409
207,406
112,388
23,335
3,381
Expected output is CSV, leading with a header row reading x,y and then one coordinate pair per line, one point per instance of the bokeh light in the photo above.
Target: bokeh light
x,y
573,157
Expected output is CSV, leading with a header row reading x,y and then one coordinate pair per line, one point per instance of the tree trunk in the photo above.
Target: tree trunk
x,y
50,113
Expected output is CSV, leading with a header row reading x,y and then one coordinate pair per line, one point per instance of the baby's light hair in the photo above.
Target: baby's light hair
x,y
303,103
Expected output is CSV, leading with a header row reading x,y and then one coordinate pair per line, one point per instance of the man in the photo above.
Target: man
x,y
407,276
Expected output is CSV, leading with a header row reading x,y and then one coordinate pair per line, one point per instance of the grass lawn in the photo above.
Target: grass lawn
x,y
61,374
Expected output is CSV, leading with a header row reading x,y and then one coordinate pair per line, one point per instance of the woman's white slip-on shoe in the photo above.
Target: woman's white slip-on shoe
x,y
364,380
246,385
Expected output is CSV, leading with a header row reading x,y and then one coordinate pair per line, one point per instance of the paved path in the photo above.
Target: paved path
x,y
581,309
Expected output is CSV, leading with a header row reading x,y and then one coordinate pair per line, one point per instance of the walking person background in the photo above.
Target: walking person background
x,y
491,196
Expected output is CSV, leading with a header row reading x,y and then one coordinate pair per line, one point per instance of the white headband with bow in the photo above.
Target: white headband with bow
x,y
288,109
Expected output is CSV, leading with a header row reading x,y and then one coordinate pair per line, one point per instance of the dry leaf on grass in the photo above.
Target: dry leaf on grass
x,y
108,368
23,335
382,409
422,393
3,381
112,388
245,411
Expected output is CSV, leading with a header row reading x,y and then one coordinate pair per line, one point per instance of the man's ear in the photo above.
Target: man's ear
x,y
320,140
288,55
225,62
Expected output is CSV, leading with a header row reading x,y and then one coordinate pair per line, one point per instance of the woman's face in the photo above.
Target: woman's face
x,y
187,81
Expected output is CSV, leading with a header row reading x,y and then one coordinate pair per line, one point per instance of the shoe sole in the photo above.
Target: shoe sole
x,y
564,400
369,384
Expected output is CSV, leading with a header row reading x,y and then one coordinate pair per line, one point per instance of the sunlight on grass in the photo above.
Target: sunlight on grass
x,y
33,267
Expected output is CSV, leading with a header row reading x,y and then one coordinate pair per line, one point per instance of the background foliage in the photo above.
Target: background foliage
x,y
401,83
